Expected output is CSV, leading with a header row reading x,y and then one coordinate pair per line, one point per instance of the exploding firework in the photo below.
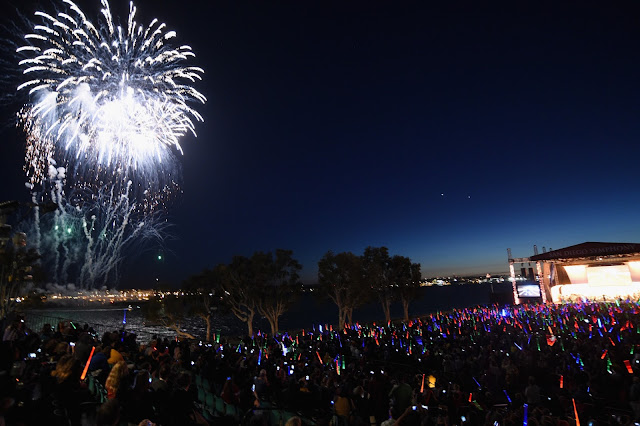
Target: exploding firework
x,y
108,103
107,108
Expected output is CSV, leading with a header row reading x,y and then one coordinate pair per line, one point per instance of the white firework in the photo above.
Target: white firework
x,y
111,103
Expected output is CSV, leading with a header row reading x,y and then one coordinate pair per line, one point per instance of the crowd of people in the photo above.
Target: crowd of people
x,y
552,365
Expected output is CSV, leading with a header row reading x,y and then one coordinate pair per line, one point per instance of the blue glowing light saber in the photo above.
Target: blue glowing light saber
x,y
479,387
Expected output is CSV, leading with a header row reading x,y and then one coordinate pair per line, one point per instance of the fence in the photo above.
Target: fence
x,y
36,322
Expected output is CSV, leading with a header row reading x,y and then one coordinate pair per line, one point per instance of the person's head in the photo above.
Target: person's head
x,y
46,329
142,381
359,391
294,421
108,414
118,371
184,381
165,370
66,369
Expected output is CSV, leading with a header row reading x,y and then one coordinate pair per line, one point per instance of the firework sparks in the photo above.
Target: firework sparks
x,y
112,102
86,238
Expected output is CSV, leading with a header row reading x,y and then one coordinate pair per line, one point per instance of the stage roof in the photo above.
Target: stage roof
x,y
589,249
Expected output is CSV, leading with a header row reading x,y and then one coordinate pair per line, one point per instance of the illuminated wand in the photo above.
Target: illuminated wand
x,y
86,366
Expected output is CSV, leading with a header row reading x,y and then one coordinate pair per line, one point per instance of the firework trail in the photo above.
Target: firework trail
x,y
85,239
109,103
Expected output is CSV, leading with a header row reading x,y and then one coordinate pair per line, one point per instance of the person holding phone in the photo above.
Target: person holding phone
x,y
262,385
230,392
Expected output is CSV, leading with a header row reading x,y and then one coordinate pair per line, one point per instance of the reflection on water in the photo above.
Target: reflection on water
x,y
308,311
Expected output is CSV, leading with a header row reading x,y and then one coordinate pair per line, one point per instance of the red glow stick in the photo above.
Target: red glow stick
x,y
628,364
86,366
471,397
561,381
422,387
575,410
317,353
604,353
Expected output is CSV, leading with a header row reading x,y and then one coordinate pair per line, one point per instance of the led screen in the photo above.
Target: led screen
x,y
528,290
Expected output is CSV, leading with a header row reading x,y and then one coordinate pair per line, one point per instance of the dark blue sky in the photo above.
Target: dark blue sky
x,y
338,125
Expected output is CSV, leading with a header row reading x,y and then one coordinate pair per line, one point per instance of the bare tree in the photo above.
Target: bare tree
x,y
377,273
340,277
405,279
277,281
238,289
169,311
206,301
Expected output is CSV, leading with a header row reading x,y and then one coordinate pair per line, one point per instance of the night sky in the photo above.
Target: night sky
x,y
446,131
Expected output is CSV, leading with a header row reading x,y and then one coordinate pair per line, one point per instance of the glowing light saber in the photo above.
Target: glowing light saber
x,y
627,363
575,411
86,366
474,379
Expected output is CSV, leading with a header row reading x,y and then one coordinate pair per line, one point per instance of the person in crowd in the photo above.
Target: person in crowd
x,y
67,390
116,381
401,395
99,360
343,406
532,392
114,354
108,414
473,363
294,421
230,392
262,385
138,402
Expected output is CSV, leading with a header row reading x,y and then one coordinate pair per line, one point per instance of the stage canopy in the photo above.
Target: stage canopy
x,y
591,270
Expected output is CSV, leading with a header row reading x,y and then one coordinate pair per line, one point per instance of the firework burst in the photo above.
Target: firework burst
x,y
110,103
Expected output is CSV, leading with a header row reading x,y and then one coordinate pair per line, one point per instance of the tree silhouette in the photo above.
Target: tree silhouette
x,y
341,280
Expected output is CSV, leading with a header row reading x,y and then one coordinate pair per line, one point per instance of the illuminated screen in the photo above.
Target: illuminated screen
x,y
609,275
528,290
577,273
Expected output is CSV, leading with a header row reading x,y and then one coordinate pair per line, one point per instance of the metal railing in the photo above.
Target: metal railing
x,y
36,322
